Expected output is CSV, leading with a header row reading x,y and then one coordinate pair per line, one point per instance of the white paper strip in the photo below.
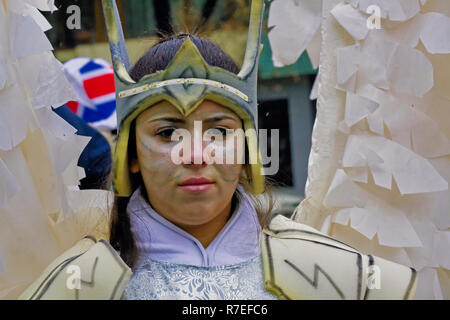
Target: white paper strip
x,y
397,10
348,60
404,79
8,185
352,20
27,36
294,24
315,89
406,124
412,173
43,5
435,34
55,124
53,88
379,52
39,19
313,49
358,108
63,151
368,214
14,117
428,285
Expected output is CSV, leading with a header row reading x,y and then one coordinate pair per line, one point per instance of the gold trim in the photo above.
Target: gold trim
x,y
178,81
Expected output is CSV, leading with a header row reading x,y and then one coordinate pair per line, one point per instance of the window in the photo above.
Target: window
x,y
274,114
91,23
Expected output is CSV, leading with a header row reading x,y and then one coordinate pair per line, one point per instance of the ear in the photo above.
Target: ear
x,y
134,166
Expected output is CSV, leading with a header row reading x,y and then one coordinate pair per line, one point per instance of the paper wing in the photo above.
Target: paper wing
x,y
380,159
40,215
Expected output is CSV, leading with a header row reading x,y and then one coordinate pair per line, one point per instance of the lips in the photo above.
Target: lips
x,y
195,181
196,184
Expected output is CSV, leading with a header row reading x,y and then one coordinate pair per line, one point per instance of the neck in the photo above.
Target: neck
x,y
206,233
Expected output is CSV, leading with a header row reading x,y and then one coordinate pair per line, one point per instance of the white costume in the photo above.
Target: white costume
x,y
37,170
380,159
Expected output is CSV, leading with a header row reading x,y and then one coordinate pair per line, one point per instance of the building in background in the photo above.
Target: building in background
x,y
283,92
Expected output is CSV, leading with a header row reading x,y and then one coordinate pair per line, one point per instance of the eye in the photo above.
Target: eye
x,y
166,133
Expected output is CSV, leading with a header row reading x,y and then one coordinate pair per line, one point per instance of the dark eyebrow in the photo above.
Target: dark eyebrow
x,y
219,118
179,120
168,119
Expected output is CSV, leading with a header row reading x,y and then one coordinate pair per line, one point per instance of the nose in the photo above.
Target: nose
x,y
197,146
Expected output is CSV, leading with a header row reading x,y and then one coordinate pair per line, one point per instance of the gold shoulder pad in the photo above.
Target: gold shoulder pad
x,y
303,263
88,271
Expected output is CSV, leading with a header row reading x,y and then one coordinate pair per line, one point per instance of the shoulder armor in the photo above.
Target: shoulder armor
x,y
88,271
303,263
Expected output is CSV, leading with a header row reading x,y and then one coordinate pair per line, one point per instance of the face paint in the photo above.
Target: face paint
x,y
144,145
167,183
230,171
238,92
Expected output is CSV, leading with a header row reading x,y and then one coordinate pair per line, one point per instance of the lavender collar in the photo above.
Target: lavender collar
x,y
159,239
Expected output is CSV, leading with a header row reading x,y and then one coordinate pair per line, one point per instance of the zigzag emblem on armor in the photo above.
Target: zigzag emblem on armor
x,y
315,282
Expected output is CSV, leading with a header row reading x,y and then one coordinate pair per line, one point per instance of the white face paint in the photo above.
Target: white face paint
x,y
172,148
223,145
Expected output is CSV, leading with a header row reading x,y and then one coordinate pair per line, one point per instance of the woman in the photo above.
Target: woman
x,y
184,222
192,218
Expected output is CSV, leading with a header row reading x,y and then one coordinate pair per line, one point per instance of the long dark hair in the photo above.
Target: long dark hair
x,y
155,59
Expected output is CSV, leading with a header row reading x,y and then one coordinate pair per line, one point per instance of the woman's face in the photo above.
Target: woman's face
x,y
187,181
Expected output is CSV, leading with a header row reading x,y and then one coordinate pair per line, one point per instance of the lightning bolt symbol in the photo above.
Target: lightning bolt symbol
x,y
90,282
315,282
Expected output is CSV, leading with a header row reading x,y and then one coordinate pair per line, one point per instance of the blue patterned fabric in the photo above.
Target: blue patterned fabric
x,y
157,280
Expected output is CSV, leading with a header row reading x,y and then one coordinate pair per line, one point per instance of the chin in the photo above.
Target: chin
x,y
192,208
198,222
195,215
